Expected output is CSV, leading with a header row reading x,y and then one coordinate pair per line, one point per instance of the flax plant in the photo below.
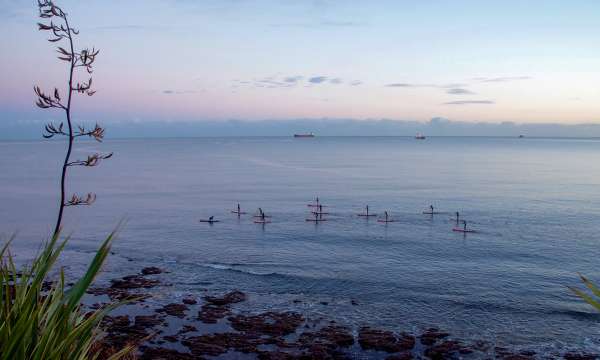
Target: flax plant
x,y
43,320
593,298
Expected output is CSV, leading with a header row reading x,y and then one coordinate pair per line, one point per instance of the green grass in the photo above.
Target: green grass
x,y
38,324
593,298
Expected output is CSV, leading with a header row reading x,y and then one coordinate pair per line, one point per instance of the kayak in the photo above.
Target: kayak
x,y
463,230
209,221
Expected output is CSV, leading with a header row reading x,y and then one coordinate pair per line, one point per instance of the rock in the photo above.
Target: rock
x,y
332,336
431,336
133,282
174,309
220,343
116,294
189,301
151,270
210,314
445,350
353,302
319,351
269,323
381,340
121,333
164,354
170,338
228,299
146,321
186,329
115,322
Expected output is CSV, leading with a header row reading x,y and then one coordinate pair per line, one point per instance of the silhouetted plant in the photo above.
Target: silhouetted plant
x,y
61,31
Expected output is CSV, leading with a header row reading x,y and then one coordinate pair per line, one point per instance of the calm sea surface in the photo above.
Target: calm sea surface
x,y
534,202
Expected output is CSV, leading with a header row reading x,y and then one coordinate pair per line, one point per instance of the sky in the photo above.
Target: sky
x,y
192,60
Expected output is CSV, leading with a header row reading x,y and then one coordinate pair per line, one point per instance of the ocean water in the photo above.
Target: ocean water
x,y
535,204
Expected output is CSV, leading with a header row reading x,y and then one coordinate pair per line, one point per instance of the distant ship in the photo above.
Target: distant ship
x,y
309,135
420,136
521,136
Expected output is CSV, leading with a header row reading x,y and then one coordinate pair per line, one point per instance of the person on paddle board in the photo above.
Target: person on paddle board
x,y
457,218
431,207
239,209
386,216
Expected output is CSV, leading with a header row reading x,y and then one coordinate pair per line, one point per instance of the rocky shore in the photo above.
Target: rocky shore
x,y
201,327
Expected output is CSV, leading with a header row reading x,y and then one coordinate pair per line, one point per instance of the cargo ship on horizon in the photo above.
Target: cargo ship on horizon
x,y
307,135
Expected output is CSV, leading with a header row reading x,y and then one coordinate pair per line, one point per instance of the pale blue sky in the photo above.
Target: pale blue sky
x,y
523,61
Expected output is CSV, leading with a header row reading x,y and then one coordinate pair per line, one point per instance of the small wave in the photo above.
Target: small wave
x,y
235,268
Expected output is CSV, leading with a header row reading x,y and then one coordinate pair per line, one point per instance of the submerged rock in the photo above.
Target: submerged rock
x,y
220,343
332,336
381,340
432,335
269,323
217,308
189,300
146,321
133,282
210,314
151,270
227,299
120,332
448,349
150,353
174,309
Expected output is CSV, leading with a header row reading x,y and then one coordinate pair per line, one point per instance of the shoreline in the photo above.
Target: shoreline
x,y
212,325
